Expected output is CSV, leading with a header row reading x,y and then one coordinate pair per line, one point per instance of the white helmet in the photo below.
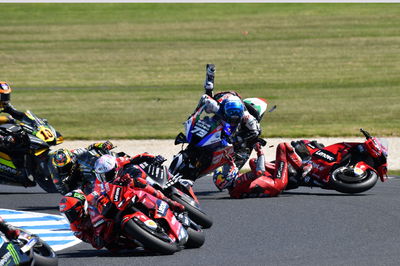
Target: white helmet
x,y
105,167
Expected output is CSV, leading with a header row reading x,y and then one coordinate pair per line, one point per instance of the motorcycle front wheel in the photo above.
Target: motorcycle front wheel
x,y
197,215
150,239
43,255
196,238
344,180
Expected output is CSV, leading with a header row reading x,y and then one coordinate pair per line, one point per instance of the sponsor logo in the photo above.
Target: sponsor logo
x,y
117,194
7,169
325,155
280,169
13,253
311,146
151,224
98,223
162,208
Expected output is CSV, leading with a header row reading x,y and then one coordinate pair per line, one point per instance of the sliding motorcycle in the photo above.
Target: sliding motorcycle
x,y
26,250
347,167
26,162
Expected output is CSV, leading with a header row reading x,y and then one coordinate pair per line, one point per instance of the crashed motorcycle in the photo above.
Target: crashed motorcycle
x,y
140,218
347,167
160,178
26,162
28,249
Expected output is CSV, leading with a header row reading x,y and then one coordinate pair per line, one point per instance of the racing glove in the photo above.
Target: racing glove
x,y
10,231
103,146
158,160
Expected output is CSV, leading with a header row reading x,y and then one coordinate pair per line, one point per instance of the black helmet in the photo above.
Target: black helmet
x,y
5,92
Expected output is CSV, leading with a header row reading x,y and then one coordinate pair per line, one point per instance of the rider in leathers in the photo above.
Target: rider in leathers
x,y
245,127
264,179
74,169
8,142
93,225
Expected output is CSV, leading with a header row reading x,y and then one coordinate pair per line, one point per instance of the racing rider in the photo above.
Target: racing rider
x,y
88,219
6,107
74,169
229,107
124,170
264,179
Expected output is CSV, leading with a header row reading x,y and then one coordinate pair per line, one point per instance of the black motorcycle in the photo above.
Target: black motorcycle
x,y
26,250
25,163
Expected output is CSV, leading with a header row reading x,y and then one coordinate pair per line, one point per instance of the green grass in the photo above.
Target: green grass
x,y
136,70
394,172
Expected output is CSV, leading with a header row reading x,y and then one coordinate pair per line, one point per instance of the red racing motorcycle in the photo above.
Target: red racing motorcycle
x,y
347,167
139,217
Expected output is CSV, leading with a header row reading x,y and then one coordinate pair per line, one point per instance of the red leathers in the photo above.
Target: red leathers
x,y
266,179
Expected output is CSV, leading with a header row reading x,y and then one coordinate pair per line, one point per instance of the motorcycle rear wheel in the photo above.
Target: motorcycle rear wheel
x,y
148,240
197,215
342,181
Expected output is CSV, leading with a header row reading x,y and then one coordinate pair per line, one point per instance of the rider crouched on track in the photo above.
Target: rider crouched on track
x,y
264,179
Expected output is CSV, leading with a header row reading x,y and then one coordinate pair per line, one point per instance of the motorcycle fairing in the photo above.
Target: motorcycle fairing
x,y
219,158
162,211
256,107
324,159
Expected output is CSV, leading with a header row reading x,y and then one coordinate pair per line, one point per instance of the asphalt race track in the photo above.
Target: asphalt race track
x,y
301,227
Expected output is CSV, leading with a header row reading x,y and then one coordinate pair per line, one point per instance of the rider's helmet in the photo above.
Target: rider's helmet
x,y
63,160
106,168
224,176
233,110
73,207
5,92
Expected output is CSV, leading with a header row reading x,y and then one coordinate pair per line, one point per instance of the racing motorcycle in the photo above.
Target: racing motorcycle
x,y
347,167
26,163
160,178
146,220
207,147
26,250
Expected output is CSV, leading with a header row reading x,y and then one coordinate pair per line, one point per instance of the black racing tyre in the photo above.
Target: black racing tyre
x,y
43,255
195,214
196,238
344,181
46,184
149,240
